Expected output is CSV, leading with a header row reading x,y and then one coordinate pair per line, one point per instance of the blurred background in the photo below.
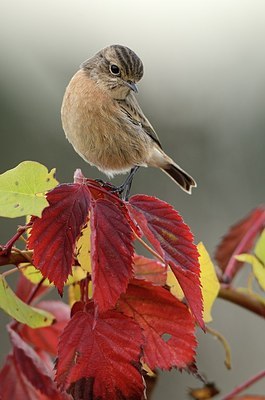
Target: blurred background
x,y
204,92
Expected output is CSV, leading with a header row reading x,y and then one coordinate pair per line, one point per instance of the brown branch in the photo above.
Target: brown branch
x,y
243,300
15,257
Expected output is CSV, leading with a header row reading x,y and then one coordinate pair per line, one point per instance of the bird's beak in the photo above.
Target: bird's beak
x,y
132,86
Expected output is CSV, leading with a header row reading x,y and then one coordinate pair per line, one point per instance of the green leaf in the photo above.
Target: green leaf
x,y
20,311
22,189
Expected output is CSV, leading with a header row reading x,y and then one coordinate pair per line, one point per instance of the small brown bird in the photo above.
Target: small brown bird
x,y
105,124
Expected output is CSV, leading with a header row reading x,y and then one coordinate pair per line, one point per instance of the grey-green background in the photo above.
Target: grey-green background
x,y
204,92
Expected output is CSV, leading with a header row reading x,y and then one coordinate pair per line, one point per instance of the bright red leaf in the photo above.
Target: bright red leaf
x,y
150,270
168,327
104,349
239,239
173,240
32,371
53,236
46,339
112,253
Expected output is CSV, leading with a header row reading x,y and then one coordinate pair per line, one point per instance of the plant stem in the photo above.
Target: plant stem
x,y
244,385
249,236
225,344
152,251
243,300
15,257
4,250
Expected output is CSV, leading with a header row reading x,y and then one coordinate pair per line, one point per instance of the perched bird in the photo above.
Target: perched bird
x,y
105,124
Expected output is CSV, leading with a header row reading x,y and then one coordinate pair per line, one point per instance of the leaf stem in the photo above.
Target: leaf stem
x,y
4,250
243,300
250,235
245,385
225,344
15,257
145,245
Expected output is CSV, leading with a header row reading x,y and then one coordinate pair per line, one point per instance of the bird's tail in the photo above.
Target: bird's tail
x,y
182,178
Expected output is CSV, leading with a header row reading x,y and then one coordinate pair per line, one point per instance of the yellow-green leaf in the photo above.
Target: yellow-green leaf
x,y
260,248
209,282
83,249
257,267
35,276
20,311
23,188
174,286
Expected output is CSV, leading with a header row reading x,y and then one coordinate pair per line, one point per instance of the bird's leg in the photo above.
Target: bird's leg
x,y
125,188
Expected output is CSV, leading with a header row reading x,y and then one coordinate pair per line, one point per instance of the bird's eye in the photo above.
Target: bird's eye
x,y
114,69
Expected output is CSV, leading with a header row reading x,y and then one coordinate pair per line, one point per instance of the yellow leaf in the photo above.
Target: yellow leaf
x,y
33,274
83,249
174,286
257,267
74,294
77,275
209,282
260,248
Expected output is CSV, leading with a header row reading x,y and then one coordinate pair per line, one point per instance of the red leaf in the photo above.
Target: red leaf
x,y
112,253
14,385
150,270
239,239
34,369
53,236
168,327
104,349
25,289
47,338
173,240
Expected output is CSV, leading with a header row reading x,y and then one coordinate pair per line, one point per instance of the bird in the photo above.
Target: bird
x,y
106,126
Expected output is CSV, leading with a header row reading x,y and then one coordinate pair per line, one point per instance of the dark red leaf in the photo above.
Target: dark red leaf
x,y
239,239
47,338
105,350
53,236
25,289
14,385
168,327
34,369
150,270
173,240
112,253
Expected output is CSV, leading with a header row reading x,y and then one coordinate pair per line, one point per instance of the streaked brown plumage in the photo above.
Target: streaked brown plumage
x,y
104,122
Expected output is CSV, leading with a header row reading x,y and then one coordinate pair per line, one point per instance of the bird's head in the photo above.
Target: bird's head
x,y
116,69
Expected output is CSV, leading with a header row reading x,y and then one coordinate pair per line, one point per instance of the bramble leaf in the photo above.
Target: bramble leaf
x,y
22,189
150,270
257,267
209,282
103,353
53,236
240,239
21,311
167,325
173,240
112,253
34,371
46,339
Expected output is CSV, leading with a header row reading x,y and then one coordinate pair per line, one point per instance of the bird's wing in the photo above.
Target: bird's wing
x,y
133,111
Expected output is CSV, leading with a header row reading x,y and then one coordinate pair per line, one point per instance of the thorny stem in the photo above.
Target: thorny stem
x,y
245,385
252,232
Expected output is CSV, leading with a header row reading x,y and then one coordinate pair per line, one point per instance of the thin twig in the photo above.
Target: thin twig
x,y
225,344
245,385
152,251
